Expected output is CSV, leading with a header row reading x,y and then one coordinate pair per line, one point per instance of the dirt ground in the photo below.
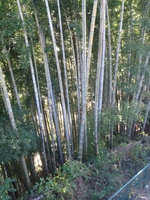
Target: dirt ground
x,y
143,195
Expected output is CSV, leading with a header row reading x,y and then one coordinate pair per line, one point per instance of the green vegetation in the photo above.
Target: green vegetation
x,y
99,178
7,187
74,97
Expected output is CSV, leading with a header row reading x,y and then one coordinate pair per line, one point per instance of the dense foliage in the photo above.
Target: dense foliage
x,y
74,80
100,177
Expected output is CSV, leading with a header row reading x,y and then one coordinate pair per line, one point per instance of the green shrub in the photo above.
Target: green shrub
x,y
62,184
5,188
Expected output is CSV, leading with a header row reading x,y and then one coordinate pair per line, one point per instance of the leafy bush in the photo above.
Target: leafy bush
x,y
5,188
100,178
63,184
12,143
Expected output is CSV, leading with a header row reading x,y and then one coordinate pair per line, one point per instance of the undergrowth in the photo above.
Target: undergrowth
x,y
99,178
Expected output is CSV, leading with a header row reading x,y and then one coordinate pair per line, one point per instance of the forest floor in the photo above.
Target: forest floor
x,y
105,175
139,188
143,195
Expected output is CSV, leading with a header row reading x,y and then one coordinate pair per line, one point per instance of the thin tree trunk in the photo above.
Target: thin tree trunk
x,y
90,43
142,77
67,131
146,117
106,84
99,73
75,51
12,77
33,171
42,111
51,103
110,55
65,78
35,87
18,101
13,123
137,110
136,96
117,54
110,73
83,78
3,172
103,59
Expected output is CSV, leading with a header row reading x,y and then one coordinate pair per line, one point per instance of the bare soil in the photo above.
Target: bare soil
x,y
143,195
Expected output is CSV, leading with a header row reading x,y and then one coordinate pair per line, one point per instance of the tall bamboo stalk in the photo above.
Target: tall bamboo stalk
x,y
12,76
136,98
51,103
90,43
102,58
118,53
99,73
110,54
110,71
67,131
83,78
40,117
65,79
14,126
75,63
42,110
18,101
146,116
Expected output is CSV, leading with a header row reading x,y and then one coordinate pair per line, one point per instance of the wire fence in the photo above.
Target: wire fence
x,y
139,184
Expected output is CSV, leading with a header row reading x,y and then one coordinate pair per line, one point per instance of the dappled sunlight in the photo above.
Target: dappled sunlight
x,y
37,162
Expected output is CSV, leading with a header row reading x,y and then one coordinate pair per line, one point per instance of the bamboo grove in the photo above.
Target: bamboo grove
x,y
73,74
